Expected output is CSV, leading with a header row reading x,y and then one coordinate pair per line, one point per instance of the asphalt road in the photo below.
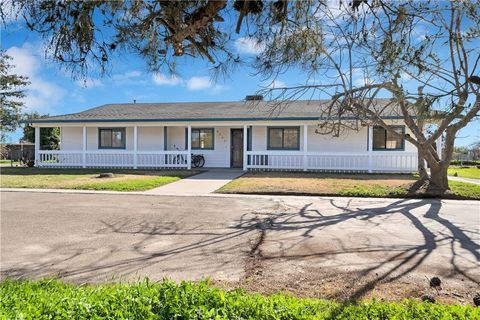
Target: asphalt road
x,y
334,247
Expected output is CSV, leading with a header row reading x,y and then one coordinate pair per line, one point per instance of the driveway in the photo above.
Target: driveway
x,y
199,184
328,247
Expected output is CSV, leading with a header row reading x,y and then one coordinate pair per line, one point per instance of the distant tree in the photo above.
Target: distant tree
x,y
12,90
49,137
474,149
460,153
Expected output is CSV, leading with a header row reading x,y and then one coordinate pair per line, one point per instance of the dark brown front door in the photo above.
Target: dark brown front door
x,y
236,148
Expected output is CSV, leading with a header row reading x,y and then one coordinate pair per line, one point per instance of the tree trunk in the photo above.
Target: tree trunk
x,y
438,179
422,171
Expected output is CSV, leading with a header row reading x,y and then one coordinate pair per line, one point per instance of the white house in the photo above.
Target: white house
x,y
228,134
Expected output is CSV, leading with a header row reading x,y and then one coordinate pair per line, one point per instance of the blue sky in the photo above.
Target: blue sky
x,y
54,91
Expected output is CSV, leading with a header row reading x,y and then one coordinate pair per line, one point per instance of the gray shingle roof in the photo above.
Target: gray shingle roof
x,y
197,111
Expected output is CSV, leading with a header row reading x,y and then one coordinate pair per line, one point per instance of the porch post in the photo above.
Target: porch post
x,y
245,143
439,147
37,146
135,147
189,147
370,148
84,147
305,147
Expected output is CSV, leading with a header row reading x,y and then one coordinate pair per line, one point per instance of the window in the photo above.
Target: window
x,y
111,138
283,138
383,140
203,139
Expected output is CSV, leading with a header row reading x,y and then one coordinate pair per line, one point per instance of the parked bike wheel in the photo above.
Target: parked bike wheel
x,y
201,161
196,161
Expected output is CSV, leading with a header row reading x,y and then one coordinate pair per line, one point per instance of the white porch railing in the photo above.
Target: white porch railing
x,y
393,161
112,159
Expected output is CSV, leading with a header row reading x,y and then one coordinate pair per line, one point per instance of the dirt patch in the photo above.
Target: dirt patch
x,y
316,282
336,184
285,183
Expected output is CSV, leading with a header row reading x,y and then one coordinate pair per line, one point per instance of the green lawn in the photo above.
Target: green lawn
x,y
48,299
355,185
8,163
86,179
465,172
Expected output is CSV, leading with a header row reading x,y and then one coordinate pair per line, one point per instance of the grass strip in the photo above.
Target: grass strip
x,y
47,299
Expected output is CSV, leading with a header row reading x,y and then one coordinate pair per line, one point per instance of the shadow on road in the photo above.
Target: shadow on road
x,y
273,233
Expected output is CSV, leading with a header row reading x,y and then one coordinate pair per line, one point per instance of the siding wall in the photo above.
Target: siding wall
x,y
351,142
175,138
220,157
150,138
71,138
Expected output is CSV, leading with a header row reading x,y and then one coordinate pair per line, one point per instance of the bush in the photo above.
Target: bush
x,y
187,300
464,162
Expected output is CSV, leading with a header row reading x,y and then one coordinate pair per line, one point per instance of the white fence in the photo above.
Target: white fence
x,y
376,161
112,159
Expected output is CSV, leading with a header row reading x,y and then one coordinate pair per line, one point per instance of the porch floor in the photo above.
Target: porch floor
x,y
200,184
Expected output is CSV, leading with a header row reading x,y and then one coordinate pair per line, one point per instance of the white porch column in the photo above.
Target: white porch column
x,y
245,143
37,146
370,149
189,148
84,147
135,147
439,147
305,147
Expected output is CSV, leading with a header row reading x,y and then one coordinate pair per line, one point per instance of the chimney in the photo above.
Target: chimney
x,y
257,97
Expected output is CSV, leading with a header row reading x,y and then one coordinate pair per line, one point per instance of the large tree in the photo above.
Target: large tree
x,y
422,55
12,91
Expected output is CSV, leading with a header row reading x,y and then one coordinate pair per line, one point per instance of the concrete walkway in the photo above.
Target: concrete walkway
x,y
469,180
198,185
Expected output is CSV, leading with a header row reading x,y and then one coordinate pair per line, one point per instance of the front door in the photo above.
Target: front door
x,y
236,148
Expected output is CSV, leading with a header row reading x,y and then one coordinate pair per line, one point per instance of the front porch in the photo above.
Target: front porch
x,y
248,147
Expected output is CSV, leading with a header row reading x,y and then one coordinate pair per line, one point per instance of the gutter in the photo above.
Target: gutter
x,y
195,119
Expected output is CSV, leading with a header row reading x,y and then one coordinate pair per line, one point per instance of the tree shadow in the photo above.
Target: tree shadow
x,y
398,260
172,247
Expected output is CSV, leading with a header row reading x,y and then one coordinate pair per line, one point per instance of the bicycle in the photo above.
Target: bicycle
x,y
197,161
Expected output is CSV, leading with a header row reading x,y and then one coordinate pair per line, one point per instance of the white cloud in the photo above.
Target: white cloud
x,y
161,80
126,76
276,84
203,83
248,45
41,95
199,83
194,83
132,74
